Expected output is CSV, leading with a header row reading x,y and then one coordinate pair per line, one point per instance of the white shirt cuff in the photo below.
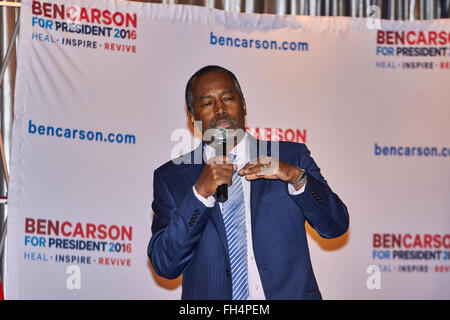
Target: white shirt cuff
x,y
294,192
208,202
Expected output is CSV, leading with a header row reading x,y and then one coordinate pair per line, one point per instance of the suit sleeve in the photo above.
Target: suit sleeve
x,y
321,206
176,228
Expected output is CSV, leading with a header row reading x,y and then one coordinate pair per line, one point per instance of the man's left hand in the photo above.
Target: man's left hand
x,y
270,168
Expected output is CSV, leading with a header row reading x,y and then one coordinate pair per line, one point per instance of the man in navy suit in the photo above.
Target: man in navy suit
x,y
278,187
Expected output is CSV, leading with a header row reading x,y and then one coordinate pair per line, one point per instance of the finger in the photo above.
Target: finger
x,y
256,170
252,163
228,168
260,175
266,168
244,167
220,160
253,176
224,170
263,161
269,170
222,178
249,168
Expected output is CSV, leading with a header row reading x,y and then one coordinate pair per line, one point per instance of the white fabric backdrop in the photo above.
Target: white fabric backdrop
x,y
346,99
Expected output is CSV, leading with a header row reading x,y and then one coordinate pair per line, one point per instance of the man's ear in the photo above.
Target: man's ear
x,y
244,106
190,115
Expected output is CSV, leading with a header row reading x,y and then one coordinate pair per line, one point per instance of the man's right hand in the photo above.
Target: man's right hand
x,y
218,171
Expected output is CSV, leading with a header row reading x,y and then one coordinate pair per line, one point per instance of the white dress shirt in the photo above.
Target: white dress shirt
x,y
242,152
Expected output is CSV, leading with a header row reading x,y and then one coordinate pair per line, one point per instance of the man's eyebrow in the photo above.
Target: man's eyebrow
x,y
206,96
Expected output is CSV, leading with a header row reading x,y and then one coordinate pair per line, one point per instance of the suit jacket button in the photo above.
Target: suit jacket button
x,y
228,273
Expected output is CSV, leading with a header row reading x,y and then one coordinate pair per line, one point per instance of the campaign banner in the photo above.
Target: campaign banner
x,y
99,105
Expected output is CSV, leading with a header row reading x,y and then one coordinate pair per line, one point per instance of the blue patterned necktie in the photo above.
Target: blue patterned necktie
x,y
233,211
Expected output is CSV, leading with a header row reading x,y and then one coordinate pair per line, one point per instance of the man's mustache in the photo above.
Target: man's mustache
x,y
214,123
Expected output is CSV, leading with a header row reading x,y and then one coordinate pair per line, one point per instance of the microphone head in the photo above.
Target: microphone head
x,y
220,135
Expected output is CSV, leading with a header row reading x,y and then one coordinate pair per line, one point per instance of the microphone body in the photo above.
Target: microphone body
x,y
220,145
222,190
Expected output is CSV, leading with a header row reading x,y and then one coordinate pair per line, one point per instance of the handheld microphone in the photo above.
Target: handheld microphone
x,y
220,145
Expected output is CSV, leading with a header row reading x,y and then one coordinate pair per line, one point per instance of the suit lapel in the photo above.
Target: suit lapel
x,y
196,164
217,219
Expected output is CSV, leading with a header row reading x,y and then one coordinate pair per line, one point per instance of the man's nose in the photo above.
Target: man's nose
x,y
221,109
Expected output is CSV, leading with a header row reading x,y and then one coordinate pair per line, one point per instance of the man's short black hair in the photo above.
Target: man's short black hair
x,y
188,94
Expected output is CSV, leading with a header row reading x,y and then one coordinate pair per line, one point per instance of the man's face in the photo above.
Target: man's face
x,y
217,102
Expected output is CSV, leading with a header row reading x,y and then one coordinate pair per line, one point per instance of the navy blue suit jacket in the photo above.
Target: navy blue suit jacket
x,y
189,238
